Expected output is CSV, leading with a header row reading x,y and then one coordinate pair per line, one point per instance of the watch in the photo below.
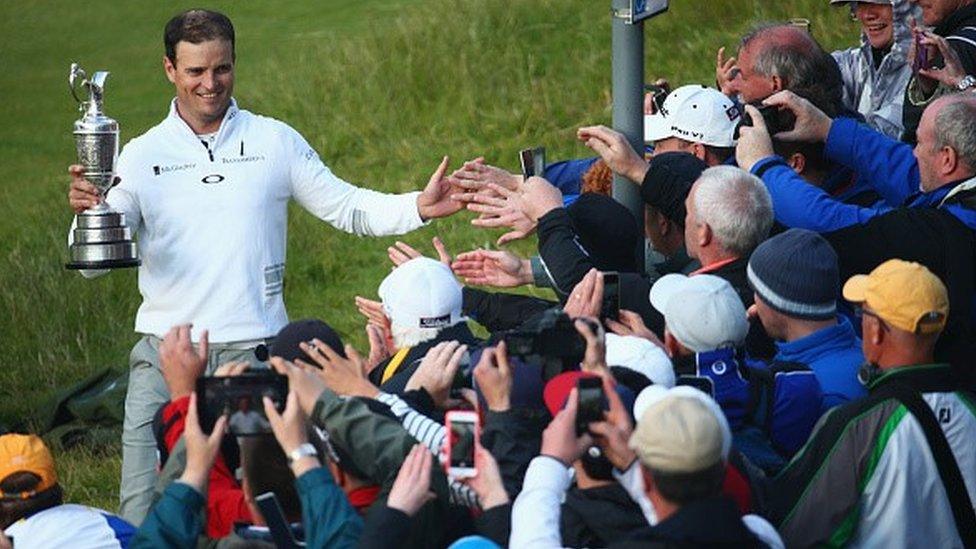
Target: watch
x,y
966,82
303,450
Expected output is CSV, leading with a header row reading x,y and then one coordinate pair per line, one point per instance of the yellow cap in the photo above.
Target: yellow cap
x,y
905,295
26,454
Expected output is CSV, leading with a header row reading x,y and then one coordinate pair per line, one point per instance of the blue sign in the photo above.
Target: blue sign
x,y
645,9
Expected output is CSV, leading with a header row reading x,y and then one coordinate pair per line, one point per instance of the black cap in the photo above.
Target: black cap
x,y
668,182
285,344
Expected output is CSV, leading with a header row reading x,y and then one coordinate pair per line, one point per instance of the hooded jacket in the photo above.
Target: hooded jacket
x,y
878,93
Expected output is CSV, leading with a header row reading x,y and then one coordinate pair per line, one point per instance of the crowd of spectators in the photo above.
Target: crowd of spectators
x,y
783,357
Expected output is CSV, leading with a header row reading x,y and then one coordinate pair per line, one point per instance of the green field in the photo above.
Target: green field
x,y
382,89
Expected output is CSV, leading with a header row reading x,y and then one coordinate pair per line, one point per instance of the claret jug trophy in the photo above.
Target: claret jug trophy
x,y
101,239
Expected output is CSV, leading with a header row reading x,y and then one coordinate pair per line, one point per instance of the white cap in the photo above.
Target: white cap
x,y
641,356
697,114
422,293
679,429
702,312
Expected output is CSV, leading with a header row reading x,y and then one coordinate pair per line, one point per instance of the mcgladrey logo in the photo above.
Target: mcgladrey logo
x,y
160,170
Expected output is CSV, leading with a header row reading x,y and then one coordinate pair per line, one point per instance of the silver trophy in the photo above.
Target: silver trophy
x,y
101,238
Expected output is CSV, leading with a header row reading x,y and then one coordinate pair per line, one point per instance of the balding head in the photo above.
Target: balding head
x,y
773,58
946,149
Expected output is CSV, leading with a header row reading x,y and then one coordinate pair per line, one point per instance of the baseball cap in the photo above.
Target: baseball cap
x,y
285,344
422,293
694,113
642,356
679,431
558,388
904,294
702,312
668,181
26,454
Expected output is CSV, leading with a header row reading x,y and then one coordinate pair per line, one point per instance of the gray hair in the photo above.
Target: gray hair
x,y
800,62
955,126
737,207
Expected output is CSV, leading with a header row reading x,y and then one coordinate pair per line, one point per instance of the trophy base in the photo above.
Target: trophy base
x,y
99,265
102,241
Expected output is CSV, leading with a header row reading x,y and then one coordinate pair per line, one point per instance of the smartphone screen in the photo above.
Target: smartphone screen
x,y
241,399
533,162
592,403
463,433
610,308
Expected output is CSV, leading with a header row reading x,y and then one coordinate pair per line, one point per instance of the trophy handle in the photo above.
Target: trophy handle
x,y
74,75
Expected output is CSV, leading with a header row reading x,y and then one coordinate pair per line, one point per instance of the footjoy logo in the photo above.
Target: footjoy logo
x,y
212,178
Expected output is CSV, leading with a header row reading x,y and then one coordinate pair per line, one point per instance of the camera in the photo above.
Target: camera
x,y
776,120
550,339
241,398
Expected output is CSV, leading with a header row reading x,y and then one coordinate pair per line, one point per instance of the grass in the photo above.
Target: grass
x,y
381,89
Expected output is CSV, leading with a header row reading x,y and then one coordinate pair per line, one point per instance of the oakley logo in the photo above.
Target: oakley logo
x,y
212,178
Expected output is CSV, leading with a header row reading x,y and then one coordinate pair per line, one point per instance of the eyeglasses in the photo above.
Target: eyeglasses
x,y
860,312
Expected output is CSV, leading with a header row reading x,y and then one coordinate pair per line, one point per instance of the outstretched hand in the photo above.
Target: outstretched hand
x,y
344,375
401,252
475,175
497,268
179,362
725,71
436,200
501,207
615,150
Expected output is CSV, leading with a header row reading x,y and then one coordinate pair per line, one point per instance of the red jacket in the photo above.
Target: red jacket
x,y
225,498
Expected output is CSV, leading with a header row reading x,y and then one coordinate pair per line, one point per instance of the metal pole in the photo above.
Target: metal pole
x,y
628,101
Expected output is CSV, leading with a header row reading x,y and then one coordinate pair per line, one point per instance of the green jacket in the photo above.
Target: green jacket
x,y
377,445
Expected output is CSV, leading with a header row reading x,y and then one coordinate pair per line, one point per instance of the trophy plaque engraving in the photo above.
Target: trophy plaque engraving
x,y
101,239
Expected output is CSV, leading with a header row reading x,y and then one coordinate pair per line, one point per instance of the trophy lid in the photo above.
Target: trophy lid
x,y
94,119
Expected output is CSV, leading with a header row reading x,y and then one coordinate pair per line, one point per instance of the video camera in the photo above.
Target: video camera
x,y
550,339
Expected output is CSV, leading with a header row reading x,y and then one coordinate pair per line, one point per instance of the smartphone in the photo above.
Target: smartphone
x,y
462,436
592,403
610,307
658,95
241,398
533,162
921,60
702,383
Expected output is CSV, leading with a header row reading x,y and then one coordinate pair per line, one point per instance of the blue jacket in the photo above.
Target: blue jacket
x,y
887,165
834,354
567,176
330,521
784,400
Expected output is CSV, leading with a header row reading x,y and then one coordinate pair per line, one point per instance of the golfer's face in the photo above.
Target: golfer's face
x,y
204,78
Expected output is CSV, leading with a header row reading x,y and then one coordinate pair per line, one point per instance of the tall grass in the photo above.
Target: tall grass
x,y
381,89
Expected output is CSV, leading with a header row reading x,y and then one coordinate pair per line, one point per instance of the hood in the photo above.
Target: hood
x,y
903,12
